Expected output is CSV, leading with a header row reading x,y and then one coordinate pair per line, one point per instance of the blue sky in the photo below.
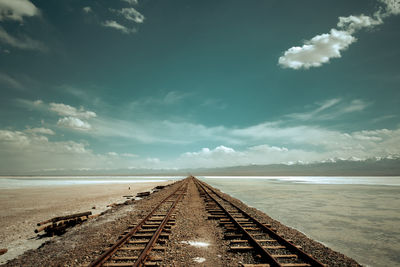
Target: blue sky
x,y
183,84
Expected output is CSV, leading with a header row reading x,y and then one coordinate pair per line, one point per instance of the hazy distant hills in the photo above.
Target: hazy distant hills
x,y
370,167
334,167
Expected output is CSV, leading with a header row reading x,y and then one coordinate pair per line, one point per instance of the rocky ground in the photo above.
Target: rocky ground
x,y
194,241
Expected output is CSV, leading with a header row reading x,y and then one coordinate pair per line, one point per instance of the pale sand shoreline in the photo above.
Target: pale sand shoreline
x,y
23,208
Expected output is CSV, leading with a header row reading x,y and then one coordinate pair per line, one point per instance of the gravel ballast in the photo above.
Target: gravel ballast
x,y
194,241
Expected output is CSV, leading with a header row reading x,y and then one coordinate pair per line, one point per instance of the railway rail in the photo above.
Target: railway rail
x,y
141,245
247,234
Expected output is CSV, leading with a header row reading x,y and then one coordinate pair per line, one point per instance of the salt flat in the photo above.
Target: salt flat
x,y
358,216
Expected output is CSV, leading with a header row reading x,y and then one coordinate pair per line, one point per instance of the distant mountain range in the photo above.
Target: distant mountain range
x,y
337,167
389,166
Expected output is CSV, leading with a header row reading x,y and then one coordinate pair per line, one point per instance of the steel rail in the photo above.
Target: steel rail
x,y
290,246
146,251
112,250
271,260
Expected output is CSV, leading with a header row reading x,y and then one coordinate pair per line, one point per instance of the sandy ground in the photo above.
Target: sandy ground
x,y
22,209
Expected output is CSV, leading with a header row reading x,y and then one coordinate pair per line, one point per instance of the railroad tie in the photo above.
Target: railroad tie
x,y
284,256
258,240
295,265
133,258
256,265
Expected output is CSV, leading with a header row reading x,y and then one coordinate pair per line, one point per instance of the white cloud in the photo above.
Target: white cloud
x,y
129,155
14,137
17,9
392,7
268,148
355,105
74,123
115,25
155,131
27,152
72,117
37,102
317,145
40,130
154,102
131,2
219,150
174,97
131,14
153,160
10,81
314,113
261,154
320,49
352,24
87,9
302,143
67,110
330,109
317,51
282,141
24,42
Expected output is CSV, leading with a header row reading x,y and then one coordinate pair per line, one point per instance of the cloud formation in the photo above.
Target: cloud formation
x,y
392,7
317,51
286,140
126,15
131,2
352,23
330,109
131,14
40,130
24,42
73,117
87,9
321,48
327,144
27,151
17,10
115,25
74,123
10,81
67,110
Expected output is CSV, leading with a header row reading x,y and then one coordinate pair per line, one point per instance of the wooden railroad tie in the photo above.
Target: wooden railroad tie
x,y
251,248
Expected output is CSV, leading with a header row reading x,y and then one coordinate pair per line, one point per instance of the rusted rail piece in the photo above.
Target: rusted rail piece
x,y
144,255
143,194
59,227
3,251
244,221
63,218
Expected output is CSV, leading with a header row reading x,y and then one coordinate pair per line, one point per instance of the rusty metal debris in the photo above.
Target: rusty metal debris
x,y
143,194
58,225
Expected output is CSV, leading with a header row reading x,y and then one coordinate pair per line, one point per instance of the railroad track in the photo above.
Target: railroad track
x,y
142,245
247,234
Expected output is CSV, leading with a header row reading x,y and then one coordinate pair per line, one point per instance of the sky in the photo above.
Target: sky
x,y
131,84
